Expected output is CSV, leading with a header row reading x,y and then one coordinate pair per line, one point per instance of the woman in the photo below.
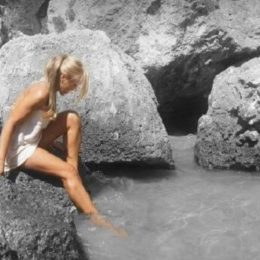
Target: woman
x,y
33,125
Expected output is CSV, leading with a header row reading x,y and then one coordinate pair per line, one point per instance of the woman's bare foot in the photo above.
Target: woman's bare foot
x,y
100,220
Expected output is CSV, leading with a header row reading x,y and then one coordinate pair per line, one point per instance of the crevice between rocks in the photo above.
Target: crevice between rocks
x,y
182,100
154,164
41,16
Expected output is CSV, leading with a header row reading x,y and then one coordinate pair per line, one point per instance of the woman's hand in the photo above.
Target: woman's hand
x,y
100,220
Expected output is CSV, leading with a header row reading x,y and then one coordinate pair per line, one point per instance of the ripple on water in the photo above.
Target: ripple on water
x,y
189,213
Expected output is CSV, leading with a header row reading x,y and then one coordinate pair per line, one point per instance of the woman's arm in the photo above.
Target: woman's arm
x,y
33,98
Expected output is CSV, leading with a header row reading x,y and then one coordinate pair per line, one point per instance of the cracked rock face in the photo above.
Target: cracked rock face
x,y
228,135
120,119
181,44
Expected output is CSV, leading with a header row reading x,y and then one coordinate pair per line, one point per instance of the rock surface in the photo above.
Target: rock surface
x,y
181,44
120,119
228,135
21,17
36,220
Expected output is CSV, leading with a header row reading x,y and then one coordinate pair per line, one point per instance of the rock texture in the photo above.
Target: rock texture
x,y
21,17
181,44
120,119
228,135
36,220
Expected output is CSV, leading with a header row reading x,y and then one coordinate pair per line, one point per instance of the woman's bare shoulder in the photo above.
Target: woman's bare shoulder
x,y
33,97
38,90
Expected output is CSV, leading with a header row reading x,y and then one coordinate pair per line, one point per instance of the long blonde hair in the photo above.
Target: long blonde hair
x,y
73,69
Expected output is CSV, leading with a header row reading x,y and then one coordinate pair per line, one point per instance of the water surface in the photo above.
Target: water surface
x,y
187,213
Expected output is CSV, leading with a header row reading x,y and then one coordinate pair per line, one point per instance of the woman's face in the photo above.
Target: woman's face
x,y
67,84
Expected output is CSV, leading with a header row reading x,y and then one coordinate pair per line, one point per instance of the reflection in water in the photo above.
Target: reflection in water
x,y
189,213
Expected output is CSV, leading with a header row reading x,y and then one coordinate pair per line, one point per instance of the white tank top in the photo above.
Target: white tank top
x,y
25,139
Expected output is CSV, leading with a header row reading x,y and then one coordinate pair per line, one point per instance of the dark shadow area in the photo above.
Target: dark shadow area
x,y
138,165
132,171
184,120
42,12
41,17
81,248
182,87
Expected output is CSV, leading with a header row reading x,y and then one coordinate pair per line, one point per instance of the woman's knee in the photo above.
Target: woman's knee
x,y
74,119
72,178
70,172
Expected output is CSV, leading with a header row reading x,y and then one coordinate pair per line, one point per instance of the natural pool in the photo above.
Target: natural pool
x,y
183,214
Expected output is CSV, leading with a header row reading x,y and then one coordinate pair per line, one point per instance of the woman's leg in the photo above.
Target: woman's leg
x,y
68,125
68,174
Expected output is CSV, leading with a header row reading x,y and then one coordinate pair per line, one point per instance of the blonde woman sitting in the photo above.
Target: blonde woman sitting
x,y
33,125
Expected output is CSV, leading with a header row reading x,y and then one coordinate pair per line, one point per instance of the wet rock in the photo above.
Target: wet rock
x,y
120,119
36,219
228,135
181,44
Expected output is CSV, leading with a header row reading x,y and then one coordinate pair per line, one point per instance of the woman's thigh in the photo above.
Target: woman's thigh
x,y
45,162
55,129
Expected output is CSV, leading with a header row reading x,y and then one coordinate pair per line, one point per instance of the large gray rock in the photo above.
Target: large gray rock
x,y
228,135
181,44
120,119
21,17
36,220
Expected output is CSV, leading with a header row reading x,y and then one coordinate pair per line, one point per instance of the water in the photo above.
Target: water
x,y
186,214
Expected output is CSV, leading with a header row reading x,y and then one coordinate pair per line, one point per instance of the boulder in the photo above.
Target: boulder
x,y
120,119
21,17
228,135
36,220
181,44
